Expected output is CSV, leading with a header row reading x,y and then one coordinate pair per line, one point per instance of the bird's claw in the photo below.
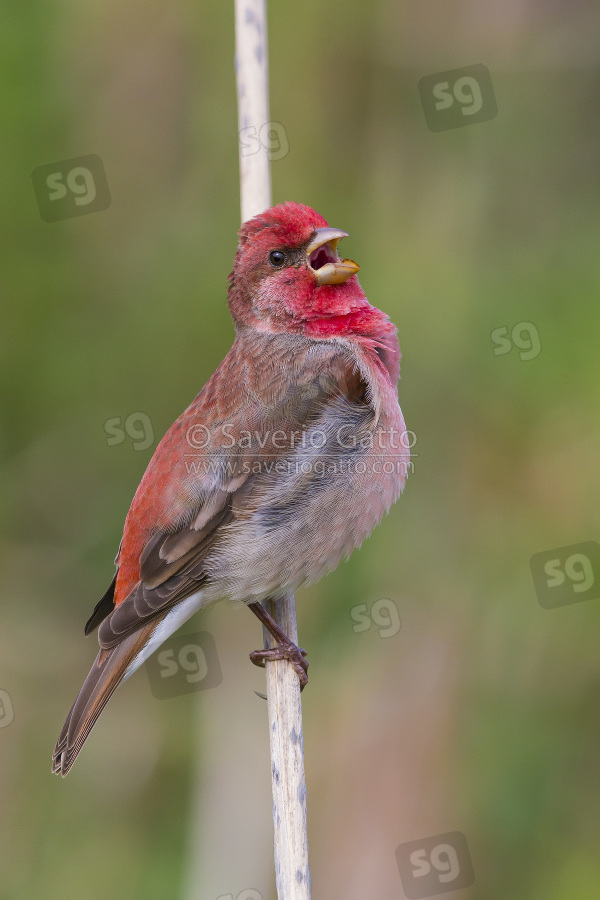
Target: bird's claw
x,y
290,651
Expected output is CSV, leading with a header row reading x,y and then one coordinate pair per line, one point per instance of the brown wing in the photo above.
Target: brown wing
x,y
182,578
124,633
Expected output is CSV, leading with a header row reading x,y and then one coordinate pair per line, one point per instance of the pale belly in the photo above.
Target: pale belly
x,y
314,510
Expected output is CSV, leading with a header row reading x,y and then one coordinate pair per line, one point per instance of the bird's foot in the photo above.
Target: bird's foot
x,y
285,650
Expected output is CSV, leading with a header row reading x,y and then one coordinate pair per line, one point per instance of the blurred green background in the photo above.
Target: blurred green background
x,y
482,714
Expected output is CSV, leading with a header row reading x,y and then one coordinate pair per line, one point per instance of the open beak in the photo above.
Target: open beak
x,y
322,258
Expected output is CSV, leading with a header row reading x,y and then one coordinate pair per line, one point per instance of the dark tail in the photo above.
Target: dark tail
x,y
104,677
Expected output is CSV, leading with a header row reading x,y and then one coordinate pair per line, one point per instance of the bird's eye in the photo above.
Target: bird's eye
x,y
277,258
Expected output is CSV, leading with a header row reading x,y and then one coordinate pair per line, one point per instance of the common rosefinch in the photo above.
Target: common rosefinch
x,y
281,466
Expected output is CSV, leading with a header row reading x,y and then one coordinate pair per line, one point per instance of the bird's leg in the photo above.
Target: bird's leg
x,y
286,649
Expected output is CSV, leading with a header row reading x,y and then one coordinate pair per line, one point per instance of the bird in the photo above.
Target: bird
x,y
281,466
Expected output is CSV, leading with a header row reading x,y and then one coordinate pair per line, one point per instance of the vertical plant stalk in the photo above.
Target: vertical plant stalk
x,y
251,65
283,687
284,708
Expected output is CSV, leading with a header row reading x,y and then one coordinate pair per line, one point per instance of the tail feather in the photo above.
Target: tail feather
x,y
103,679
